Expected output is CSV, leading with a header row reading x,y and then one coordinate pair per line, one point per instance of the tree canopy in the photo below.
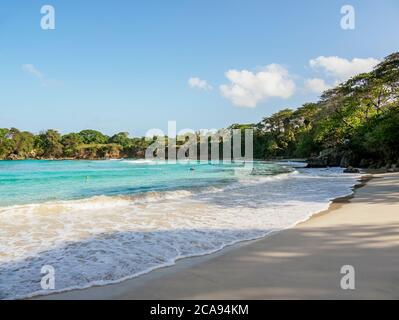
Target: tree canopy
x,y
360,115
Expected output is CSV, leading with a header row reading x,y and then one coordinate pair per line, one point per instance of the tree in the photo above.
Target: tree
x,y
280,131
16,143
49,143
360,115
6,144
93,136
24,144
71,143
121,138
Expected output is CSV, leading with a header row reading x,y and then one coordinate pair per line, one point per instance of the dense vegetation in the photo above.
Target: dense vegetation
x,y
355,123
87,144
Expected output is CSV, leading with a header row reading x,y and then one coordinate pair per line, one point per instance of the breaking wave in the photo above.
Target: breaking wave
x,y
107,239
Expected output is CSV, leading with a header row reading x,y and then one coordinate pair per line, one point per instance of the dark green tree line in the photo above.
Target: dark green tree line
x,y
359,117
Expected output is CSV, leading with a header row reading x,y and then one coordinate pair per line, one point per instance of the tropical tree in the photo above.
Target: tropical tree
x,y
49,143
93,136
6,144
71,143
121,138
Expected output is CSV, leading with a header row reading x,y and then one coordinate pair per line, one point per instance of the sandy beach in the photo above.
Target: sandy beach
x,y
300,263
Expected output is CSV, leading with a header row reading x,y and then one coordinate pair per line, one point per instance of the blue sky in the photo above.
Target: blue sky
x,y
125,65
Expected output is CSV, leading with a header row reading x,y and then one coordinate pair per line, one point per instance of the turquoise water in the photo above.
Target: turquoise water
x,y
100,222
32,181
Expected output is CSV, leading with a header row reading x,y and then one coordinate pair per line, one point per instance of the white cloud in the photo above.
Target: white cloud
x,y
31,69
197,83
316,85
247,88
343,69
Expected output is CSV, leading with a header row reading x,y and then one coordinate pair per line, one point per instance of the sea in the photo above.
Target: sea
x,y
101,222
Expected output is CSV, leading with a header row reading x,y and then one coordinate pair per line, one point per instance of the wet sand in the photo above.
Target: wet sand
x,y
300,263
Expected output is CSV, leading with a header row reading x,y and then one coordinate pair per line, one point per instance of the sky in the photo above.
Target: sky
x,y
131,66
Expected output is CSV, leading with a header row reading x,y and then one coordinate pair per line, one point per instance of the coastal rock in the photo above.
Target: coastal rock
x,y
327,158
140,154
332,157
347,159
365,163
14,157
351,170
379,164
316,163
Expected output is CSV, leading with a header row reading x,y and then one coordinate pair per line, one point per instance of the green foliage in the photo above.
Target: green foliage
x,y
6,144
93,136
379,137
241,126
49,144
361,114
121,138
71,143
15,143
306,145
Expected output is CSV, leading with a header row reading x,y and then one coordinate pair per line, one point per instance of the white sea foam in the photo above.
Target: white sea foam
x,y
145,161
104,239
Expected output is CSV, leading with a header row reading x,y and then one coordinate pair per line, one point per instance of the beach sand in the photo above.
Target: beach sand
x,y
300,263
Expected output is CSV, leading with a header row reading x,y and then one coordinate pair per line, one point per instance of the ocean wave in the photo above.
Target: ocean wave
x,y
107,239
115,201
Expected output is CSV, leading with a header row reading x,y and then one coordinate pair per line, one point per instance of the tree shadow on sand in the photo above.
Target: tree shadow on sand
x,y
293,264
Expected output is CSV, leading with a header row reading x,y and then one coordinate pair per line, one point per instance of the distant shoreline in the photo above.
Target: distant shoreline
x,y
367,169
106,159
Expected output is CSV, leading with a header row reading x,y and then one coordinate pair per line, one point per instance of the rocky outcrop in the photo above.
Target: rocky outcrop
x,y
366,163
348,158
14,157
392,167
333,158
351,170
326,158
316,162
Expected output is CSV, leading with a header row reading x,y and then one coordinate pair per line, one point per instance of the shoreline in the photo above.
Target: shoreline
x,y
127,289
192,260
